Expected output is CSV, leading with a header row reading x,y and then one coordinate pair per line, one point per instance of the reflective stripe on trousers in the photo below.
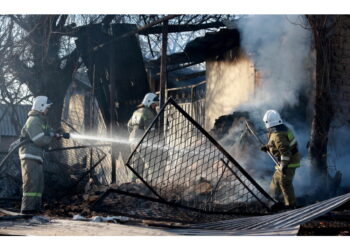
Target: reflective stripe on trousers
x,y
30,194
294,165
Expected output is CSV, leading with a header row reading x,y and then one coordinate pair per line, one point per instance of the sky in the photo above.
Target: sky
x,y
172,7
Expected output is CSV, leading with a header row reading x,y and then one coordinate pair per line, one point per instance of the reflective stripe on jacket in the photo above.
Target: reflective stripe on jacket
x,y
283,145
37,130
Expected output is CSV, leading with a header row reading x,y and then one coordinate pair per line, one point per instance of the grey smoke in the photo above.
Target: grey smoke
x,y
280,50
279,47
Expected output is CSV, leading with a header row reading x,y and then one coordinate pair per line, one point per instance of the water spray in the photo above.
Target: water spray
x,y
128,142
99,138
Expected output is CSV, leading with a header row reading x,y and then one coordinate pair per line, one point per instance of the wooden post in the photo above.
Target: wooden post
x,y
163,65
163,74
92,114
112,111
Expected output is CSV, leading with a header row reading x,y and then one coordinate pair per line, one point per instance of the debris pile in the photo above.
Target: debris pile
x,y
334,223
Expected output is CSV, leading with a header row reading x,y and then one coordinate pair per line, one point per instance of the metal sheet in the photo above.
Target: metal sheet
x,y
292,231
6,126
282,220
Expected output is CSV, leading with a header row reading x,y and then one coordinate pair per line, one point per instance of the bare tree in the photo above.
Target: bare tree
x,y
324,29
41,52
39,60
12,92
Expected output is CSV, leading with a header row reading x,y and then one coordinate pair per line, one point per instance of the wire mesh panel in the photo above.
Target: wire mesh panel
x,y
183,165
80,159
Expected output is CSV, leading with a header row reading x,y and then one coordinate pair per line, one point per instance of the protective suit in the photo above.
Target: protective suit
x,y
138,124
37,130
283,146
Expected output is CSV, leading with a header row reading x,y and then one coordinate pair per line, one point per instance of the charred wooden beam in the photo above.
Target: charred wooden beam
x,y
166,18
190,76
108,19
163,64
113,120
181,28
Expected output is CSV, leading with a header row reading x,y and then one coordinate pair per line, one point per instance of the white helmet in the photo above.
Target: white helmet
x,y
272,118
149,99
41,103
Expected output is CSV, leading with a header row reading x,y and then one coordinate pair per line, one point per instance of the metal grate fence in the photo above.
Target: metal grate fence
x,y
183,165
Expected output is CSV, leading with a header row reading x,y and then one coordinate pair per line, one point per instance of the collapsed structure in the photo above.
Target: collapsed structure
x,y
183,166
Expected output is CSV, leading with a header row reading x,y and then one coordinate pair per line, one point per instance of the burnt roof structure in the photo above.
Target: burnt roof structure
x,y
213,45
120,58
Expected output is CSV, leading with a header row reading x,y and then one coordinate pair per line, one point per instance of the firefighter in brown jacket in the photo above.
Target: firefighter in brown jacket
x,y
283,146
39,135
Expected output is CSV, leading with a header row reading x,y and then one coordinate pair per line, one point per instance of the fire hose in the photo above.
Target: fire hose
x,y
13,147
259,140
16,144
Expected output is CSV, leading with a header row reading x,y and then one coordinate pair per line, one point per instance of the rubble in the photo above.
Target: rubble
x,y
115,219
39,220
334,223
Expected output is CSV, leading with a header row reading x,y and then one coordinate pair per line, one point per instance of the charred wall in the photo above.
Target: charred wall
x,y
230,82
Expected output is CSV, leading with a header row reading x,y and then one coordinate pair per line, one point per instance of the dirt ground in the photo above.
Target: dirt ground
x,y
60,227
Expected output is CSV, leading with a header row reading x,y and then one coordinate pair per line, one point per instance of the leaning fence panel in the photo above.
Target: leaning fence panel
x,y
183,165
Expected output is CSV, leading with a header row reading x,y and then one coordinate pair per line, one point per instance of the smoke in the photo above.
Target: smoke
x,y
279,47
280,50
243,147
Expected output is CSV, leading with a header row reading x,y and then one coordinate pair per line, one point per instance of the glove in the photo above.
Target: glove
x,y
66,135
55,135
264,148
284,167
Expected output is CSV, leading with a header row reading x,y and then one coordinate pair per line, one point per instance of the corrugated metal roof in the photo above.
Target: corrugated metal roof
x,y
6,126
284,220
292,231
